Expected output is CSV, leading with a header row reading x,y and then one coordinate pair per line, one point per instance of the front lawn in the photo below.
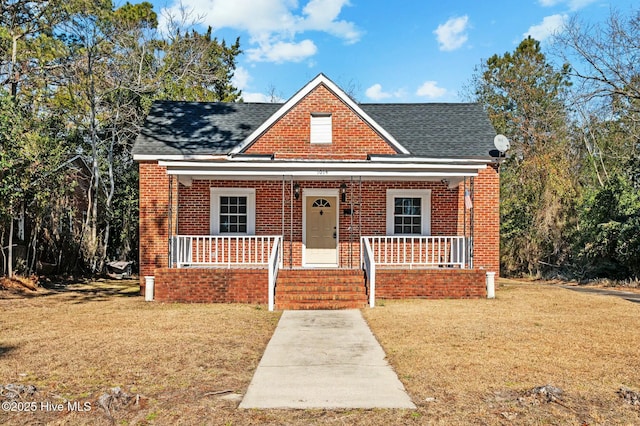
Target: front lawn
x,y
462,361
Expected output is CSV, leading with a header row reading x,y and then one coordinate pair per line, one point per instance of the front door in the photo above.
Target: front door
x,y
321,233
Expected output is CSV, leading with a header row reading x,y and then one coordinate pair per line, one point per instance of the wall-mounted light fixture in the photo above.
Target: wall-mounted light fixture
x,y
343,192
296,190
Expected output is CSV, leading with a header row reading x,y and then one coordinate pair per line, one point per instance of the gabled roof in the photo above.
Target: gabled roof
x,y
321,79
193,130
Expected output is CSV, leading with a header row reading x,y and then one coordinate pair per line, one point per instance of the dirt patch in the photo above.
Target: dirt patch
x,y
462,361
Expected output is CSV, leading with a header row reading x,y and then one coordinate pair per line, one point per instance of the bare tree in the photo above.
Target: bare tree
x,y
606,93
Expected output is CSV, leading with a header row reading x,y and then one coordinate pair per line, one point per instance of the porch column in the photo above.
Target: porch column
x,y
486,220
153,219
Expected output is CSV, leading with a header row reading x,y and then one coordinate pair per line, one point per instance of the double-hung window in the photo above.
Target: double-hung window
x,y
408,212
233,211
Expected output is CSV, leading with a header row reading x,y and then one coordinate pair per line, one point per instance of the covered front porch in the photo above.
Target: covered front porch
x,y
241,223
439,260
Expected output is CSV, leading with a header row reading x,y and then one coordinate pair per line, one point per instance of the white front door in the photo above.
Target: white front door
x,y
321,230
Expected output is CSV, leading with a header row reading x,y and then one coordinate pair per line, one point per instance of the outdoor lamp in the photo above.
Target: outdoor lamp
x,y
343,192
296,190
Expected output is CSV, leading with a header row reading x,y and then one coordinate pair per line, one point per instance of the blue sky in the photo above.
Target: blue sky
x,y
380,51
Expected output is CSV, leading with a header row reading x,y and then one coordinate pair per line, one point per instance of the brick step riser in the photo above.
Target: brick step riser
x,y
321,280
320,277
320,297
318,306
321,289
312,282
320,271
313,286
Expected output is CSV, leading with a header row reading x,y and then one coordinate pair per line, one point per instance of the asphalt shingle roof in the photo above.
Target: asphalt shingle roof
x,y
431,130
189,128
437,129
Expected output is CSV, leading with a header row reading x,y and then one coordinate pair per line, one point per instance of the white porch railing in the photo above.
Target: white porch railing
x,y
215,250
418,251
274,266
369,266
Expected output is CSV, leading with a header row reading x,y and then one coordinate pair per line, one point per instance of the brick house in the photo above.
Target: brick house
x,y
319,202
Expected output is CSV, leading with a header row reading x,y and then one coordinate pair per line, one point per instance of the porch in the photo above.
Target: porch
x,y
233,225
260,269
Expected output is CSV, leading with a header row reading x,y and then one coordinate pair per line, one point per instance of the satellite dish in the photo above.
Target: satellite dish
x,y
501,143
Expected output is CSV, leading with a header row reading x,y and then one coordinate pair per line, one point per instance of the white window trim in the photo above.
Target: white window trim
x,y
322,121
424,194
216,193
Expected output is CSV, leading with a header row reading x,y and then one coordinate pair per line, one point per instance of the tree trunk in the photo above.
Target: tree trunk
x,y
10,248
4,256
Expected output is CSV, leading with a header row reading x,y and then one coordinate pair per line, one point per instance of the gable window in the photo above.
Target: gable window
x,y
408,212
321,128
233,211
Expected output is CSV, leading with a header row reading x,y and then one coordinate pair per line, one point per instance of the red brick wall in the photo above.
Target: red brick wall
x,y
194,215
209,285
430,283
486,205
289,136
153,219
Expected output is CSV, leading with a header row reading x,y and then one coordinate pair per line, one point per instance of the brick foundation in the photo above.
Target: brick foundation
x,y
211,285
442,283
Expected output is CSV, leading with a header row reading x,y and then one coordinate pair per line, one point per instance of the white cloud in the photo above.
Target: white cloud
x,y
240,78
321,15
282,51
573,4
273,23
255,97
376,93
452,34
548,26
430,89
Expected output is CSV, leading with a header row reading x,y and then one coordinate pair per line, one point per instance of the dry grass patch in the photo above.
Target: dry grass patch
x,y
478,358
462,361
78,344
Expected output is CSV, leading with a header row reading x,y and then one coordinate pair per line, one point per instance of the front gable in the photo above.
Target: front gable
x,y
346,131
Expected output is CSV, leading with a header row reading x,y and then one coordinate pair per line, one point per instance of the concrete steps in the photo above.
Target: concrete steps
x,y
299,289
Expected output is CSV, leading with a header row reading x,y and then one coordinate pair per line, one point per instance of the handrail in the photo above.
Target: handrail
x,y
216,250
274,265
369,266
424,251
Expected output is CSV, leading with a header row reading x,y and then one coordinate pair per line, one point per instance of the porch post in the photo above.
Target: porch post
x,y
472,220
282,215
170,221
464,223
351,205
360,216
291,224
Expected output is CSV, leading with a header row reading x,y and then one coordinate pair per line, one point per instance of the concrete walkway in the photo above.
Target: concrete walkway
x,y
324,359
